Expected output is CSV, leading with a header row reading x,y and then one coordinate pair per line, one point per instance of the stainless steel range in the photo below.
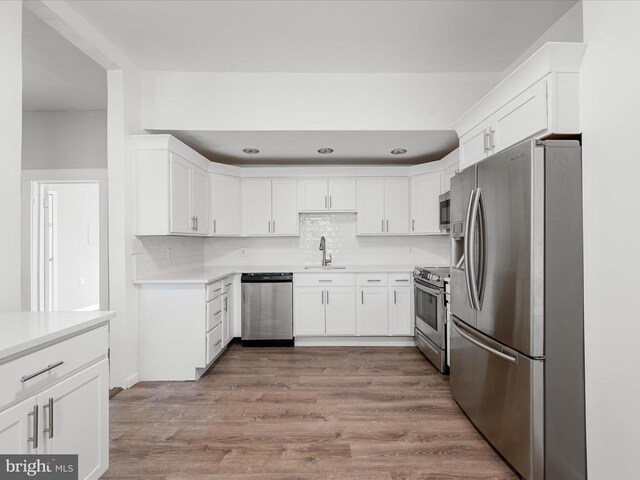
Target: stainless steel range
x,y
431,314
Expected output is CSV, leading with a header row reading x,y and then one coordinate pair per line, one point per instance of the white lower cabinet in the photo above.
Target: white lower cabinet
x,y
183,328
309,316
74,412
372,311
62,416
400,319
16,427
340,311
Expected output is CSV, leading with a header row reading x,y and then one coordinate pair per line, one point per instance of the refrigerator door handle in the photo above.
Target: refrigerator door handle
x,y
475,267
482,265
467,249
458,328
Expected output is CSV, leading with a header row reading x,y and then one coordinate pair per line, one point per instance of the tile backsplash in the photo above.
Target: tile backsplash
x,y
339,230
154,255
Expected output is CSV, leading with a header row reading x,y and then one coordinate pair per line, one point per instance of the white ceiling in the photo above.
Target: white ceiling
x,y
300,147
323,36
55,74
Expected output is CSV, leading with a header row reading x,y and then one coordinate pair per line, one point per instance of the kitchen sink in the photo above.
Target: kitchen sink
x,y
327,267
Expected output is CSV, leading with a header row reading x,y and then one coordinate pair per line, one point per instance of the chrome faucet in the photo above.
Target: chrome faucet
x,y
323,248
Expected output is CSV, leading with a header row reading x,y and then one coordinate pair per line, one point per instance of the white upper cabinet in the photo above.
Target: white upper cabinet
x,y
447,175
200,200
269,206
342,194
181,220
321,194
383,206
284,212
425,204
225,205
172,195
371,206
538,98
256,206
396,205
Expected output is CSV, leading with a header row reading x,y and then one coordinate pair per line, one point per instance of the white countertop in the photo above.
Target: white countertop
x,y
208,275
20,331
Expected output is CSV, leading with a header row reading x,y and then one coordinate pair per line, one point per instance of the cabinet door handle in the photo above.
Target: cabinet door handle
x,y
395,297
327,297
225,304
387,226
492,139
49,429
197,227
383,225
330,201
218,343
51,366
214,226
322,297
413,225
362,296
34,438
217,313
274,226
325,202
269,225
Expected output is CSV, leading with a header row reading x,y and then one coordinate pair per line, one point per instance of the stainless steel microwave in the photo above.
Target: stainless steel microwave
x,y
445,211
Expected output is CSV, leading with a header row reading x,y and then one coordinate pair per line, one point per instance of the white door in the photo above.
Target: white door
x,y
474,146
342,194
425,203
400,321
76,414
313,194
284,207
341,310
256,206
396,206
372,311
17,426
309,311
225,205
371,206
199,200
180,179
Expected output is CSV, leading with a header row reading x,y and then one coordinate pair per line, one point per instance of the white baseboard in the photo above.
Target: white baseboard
x,y
355,342
132,380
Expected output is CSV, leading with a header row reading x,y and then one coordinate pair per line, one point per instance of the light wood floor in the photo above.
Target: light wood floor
x,y
300,413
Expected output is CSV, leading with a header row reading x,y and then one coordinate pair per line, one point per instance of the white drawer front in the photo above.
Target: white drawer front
x,y
214,290
372,280
227,284
214,313
324,279
214,343
63,358
400,279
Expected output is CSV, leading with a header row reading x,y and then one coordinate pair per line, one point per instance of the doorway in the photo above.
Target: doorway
x,y
68,230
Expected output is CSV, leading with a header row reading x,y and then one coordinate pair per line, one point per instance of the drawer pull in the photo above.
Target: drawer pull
x,y
402,280
218,289
325,280
218,343
217,313
374,280
51,366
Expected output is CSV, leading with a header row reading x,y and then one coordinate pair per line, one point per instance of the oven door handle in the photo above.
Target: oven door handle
x,y
426,289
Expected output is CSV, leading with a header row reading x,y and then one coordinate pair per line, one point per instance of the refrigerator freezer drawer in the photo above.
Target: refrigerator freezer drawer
x,y
501,391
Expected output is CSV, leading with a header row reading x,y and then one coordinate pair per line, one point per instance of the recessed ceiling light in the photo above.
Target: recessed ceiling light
x,y
251,151
325,150
398,151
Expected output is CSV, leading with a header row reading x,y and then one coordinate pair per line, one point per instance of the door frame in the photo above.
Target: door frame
x,y
32,183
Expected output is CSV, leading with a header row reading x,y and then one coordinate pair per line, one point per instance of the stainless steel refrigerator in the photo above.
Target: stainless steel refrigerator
x,y
517,355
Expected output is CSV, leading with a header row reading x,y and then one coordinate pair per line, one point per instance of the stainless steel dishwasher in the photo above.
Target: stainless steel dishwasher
x,y
267,309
